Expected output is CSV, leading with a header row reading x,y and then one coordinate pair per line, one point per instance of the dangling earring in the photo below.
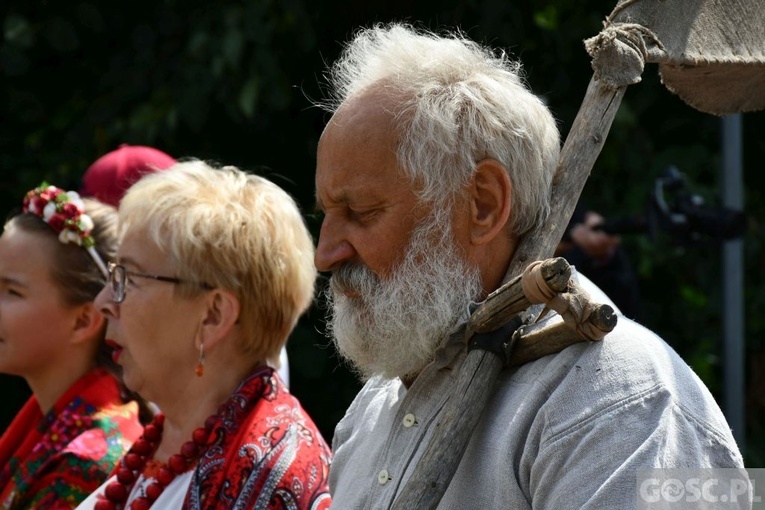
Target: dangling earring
x,y
200,368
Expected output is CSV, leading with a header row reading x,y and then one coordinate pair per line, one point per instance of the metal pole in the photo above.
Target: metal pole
x,y
733,281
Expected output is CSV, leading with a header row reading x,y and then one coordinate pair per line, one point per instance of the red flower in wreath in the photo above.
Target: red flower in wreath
x,y
63,211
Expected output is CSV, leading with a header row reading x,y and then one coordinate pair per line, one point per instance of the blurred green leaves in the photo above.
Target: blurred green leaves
x,y
547,19
18,32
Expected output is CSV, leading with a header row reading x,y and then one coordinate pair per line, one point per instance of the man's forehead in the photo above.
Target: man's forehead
x,y
356,141
375,107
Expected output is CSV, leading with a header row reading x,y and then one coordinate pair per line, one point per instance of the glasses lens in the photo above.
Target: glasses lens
x,y
118,283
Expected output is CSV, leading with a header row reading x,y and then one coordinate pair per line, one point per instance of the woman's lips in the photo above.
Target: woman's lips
x,y
116,349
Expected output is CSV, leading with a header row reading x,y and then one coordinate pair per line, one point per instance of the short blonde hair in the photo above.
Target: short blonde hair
x,y
234,231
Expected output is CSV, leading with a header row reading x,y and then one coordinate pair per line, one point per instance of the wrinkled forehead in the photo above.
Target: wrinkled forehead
x,y
366,117
363,133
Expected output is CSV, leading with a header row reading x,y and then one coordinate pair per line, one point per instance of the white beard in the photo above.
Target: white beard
x,y
393,327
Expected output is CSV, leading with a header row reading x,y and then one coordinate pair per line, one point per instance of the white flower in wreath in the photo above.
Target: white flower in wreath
x,y
69,236
86,223
74,198
50,210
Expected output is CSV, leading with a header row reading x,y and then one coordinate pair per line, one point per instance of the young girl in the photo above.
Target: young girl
x,y
73,430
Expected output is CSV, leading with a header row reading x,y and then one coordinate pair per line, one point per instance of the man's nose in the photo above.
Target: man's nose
x,y
333,248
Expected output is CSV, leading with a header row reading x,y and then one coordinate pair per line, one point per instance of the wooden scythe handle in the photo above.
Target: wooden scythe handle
x,y
509,300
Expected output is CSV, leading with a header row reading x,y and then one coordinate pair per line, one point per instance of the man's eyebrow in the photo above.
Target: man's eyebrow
x,y
342,198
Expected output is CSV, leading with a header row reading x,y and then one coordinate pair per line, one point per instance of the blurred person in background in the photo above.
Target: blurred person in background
x,y
601,257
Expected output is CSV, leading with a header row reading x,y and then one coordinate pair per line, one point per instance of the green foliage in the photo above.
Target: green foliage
x,y
235,82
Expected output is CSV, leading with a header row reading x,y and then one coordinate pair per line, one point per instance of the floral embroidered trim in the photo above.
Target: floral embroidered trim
x,y
64,212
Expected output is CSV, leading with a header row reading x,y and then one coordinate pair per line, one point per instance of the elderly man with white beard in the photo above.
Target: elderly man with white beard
x,y
436,160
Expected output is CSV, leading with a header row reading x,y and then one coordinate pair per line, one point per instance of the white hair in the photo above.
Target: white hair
x,y
457,104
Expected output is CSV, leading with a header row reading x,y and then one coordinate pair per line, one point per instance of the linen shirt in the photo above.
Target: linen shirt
x,y
570,430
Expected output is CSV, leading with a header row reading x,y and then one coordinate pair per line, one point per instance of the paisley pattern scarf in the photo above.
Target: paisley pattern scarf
x,y
266,453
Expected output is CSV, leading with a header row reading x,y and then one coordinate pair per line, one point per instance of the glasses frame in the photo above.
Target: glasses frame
x,y
118,283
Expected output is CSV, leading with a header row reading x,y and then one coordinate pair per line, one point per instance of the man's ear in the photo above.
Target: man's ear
x,y
490,201
221,314
88,322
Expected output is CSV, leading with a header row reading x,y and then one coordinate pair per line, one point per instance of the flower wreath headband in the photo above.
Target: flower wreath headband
x,y
63,211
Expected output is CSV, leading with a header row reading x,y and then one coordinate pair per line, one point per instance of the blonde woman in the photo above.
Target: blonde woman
x,y
214,269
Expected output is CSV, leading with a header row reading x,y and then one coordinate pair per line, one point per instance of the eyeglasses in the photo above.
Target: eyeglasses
x,y
118,276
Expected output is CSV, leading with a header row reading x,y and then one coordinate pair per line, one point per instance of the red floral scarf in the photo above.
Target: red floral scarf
x,y
267,453
55,461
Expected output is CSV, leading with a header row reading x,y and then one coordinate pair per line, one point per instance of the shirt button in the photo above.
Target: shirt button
x,y
383,477
409,420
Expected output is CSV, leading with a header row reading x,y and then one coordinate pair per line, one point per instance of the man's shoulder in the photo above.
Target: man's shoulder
x,y
631,373
627,361
629,357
